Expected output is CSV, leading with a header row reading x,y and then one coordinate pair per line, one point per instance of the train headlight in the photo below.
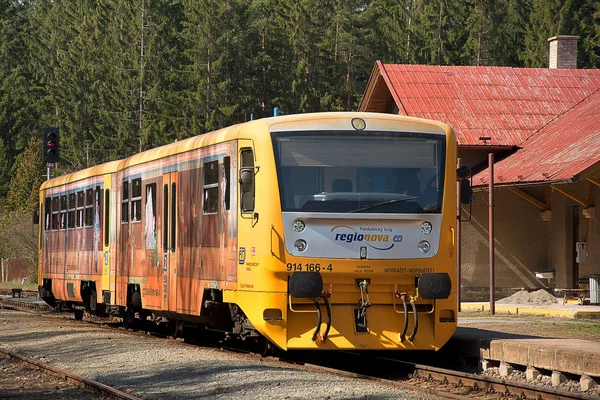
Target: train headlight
x,y
300,245
424,246
298,226
359,124
426,228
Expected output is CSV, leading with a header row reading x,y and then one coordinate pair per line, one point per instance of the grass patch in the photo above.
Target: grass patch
x,y
18,285
536,325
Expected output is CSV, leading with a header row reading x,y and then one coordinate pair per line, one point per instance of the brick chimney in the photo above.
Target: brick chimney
x,y
563,51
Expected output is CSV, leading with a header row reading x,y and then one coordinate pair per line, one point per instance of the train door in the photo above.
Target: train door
x,y
169,240
106,239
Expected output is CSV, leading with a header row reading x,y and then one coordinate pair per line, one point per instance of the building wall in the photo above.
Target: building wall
x,y
561,252
15,270
593,264
521,238
525,243
559,235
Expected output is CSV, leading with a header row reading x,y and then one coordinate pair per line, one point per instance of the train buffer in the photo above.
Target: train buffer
x,y
17,292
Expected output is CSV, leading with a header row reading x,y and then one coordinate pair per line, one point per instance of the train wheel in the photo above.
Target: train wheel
x,y
264,347
78,314
175,328
128,318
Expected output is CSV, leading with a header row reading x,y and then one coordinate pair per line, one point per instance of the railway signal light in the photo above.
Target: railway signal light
x,y
50,145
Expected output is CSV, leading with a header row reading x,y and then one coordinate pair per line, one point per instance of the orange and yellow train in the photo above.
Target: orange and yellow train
x,y
315,231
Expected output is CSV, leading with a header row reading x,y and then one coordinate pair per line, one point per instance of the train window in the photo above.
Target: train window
x,y
173,214
227,181
98,210
89,207
150,222
136,199
71,211
318,175
165,225
106,216
211,187
47,213
125,202
247,180
55,213
80,208
63,212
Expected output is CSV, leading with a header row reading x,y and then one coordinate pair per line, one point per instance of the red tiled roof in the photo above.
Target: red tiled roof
x,y
558,152
507,104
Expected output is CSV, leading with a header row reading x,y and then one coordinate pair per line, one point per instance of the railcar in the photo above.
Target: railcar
x,y
314,231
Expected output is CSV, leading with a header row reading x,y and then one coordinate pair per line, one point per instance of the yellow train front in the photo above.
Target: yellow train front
x,y
346,231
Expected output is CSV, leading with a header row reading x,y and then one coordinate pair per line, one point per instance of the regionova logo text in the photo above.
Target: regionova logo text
x,y
377,238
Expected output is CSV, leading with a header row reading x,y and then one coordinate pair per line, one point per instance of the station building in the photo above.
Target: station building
x,y
542,126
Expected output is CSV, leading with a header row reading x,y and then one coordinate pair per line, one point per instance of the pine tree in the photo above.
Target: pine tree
x,y
548,18
215,37
24,187
18,114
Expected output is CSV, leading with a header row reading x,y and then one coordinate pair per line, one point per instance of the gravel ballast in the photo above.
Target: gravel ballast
x,y
156,368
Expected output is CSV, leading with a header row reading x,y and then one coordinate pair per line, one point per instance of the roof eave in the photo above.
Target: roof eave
x,y
484,187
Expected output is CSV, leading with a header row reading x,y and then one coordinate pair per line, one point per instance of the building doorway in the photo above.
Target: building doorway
x,y
575,236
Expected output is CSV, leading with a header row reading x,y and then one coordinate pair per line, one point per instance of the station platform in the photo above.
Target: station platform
x,y
568,310
553,351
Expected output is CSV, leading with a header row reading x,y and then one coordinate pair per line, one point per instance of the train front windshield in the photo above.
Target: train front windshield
x,y
368,172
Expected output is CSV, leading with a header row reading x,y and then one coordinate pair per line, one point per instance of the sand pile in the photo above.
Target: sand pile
x,y
524,297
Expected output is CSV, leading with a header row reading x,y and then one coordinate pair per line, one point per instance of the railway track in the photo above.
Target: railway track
x,y
442,382
25,292
446,382
83,383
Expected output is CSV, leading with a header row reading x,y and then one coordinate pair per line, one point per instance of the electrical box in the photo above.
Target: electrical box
x,y
581,252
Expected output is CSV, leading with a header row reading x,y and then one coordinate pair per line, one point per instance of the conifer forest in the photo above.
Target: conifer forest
x,y
119,77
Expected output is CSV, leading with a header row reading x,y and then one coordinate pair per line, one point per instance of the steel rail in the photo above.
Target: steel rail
x,y
25,292
15,303
398,384
519,389
89,385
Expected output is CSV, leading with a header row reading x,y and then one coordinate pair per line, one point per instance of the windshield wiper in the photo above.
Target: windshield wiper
x,y
432,209
382,204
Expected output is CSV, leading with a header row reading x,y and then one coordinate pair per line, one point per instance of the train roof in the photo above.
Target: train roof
x,y
257,129
97,170
251,130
